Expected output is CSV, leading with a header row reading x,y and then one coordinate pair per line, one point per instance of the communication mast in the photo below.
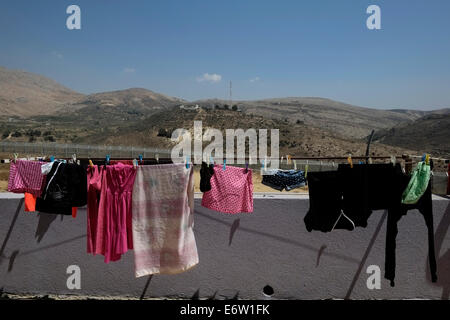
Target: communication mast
x,y
231,95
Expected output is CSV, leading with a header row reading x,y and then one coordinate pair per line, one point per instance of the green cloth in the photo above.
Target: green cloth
x,y
418,183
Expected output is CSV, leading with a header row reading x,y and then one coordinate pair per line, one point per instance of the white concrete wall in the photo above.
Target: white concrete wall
x,y
239,256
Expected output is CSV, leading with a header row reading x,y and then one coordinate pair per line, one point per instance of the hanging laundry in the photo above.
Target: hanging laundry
x,y
46,167
163,208
284,179
417,184
94,185
65,187
231,190
367,187
448,176
114,228
425,207
206,172
364,188
26,176
325,203
129,162
30,202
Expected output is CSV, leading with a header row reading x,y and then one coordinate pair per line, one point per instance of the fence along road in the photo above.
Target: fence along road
x,y
81,150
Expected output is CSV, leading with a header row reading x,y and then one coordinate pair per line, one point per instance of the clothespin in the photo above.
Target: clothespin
x,y
393,160
107,158
370,160
187,162
224,164
423,157
246,166
157,157
78,162
135,163
282,159
16,155
140,158
52,158
427,159
91,164
332,164
288,159
211,160
295,164
306,168
350,161
74,158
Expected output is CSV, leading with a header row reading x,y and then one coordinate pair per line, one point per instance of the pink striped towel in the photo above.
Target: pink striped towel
x,y
163,208
26,176
231,190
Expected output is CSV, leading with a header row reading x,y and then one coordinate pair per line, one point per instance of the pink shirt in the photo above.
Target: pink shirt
x,y
114,230
231,190
94,186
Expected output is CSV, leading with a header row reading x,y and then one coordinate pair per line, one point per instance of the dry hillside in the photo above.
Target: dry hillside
x,y
27,94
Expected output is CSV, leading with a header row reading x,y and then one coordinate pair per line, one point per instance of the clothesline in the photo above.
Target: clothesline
x,y
246,158
402,157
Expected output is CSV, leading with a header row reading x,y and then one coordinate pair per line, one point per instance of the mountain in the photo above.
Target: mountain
x,y
341,118
134,98
26,94
295,139
429,134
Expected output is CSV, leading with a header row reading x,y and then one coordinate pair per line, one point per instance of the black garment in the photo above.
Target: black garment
x,y
425,207
285,179
65,187
358,191
369,187
206,172
325,202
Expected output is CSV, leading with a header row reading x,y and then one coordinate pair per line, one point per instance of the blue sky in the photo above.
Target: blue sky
x,y
267,48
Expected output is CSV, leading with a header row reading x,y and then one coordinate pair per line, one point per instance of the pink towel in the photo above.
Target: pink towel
x,y
163,208
231,190
26,176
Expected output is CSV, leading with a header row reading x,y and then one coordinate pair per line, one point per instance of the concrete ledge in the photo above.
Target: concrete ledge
x,y
256,195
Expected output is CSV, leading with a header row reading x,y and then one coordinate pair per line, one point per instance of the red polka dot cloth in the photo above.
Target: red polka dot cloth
x,y
231,190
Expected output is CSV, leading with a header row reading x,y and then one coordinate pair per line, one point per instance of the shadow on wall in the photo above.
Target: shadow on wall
x,y
443,261
11,227
45,220
233,229
236,225
43,225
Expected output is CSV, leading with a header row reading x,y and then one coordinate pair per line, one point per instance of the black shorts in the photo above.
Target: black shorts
x,y
285,179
